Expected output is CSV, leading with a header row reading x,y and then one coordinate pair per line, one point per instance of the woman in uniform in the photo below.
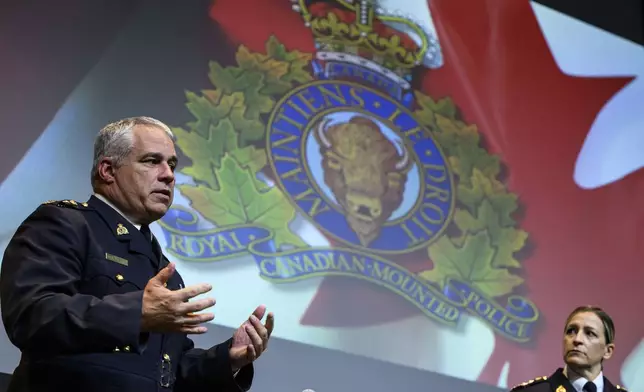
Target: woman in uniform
x,y
588,340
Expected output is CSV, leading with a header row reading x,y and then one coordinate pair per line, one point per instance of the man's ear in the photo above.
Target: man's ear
x,y
106,170
609,351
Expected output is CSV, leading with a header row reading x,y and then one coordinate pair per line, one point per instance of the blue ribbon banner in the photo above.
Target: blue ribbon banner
x,y
186,241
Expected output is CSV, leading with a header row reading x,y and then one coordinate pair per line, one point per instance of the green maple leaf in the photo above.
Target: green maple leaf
x,y
250,157
297,61
479,187
473,262
205,152
220,122
203,111
250,83
428,109
241,199
462,143
471,157
505,239
244,93
234,108
206,140
273,70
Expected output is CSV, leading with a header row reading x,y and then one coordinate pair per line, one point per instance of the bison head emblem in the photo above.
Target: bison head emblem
x,y
365,172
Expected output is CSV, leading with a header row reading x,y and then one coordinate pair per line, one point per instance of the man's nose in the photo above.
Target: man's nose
x,y
167,174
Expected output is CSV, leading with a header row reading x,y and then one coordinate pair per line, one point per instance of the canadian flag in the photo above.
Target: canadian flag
x,y
571,137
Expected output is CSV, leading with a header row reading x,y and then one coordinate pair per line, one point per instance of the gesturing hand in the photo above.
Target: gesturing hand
x,y
251,338
169,311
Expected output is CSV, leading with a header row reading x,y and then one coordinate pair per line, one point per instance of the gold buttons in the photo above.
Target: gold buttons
x,y
119,277
116,349
126,348
166,357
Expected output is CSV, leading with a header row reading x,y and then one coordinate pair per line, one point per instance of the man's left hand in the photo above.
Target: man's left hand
x,y
251,338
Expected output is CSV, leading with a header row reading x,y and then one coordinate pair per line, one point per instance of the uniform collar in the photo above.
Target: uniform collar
x,y
122,228
109,203
579,383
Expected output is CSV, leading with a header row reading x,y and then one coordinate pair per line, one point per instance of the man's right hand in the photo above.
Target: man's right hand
x,y
169,311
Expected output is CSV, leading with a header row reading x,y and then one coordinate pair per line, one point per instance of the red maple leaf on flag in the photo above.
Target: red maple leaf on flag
x,y
502,76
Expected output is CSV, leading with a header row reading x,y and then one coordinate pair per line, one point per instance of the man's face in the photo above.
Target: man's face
x,y
584,343
145,178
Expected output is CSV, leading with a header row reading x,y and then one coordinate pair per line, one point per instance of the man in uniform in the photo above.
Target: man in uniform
x,y
92,303
588,340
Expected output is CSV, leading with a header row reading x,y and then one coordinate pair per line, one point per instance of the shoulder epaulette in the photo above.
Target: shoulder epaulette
x,y
67,203
621,388
537,380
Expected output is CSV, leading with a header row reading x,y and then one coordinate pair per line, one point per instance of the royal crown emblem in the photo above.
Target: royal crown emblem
x,y
357,40
342,139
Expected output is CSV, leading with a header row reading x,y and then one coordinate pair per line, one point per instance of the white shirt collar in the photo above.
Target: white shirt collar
x,y
109,203
579,383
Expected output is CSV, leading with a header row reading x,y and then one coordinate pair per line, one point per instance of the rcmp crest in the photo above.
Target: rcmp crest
x,y
341,138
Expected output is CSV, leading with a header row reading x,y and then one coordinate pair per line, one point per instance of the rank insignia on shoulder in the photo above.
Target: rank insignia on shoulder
x,y
121,230
621,388
526,384
67,203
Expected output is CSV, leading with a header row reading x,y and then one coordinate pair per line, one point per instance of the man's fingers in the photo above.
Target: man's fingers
x,y
270,324
260,311
193,291
196,306
165,274
258,335
256,325
194,330
195,318
255,338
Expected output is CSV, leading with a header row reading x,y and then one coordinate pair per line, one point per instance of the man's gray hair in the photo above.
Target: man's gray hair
x,y
115,140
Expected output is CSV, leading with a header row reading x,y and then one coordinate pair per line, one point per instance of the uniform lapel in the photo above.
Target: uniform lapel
x,y
608,387
123,230
560,383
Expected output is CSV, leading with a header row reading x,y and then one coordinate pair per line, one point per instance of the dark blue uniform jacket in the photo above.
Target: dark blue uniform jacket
x,y
71,289
558,382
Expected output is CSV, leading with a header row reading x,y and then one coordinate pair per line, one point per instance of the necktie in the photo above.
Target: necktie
x,y
156,247
145,230
590,387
